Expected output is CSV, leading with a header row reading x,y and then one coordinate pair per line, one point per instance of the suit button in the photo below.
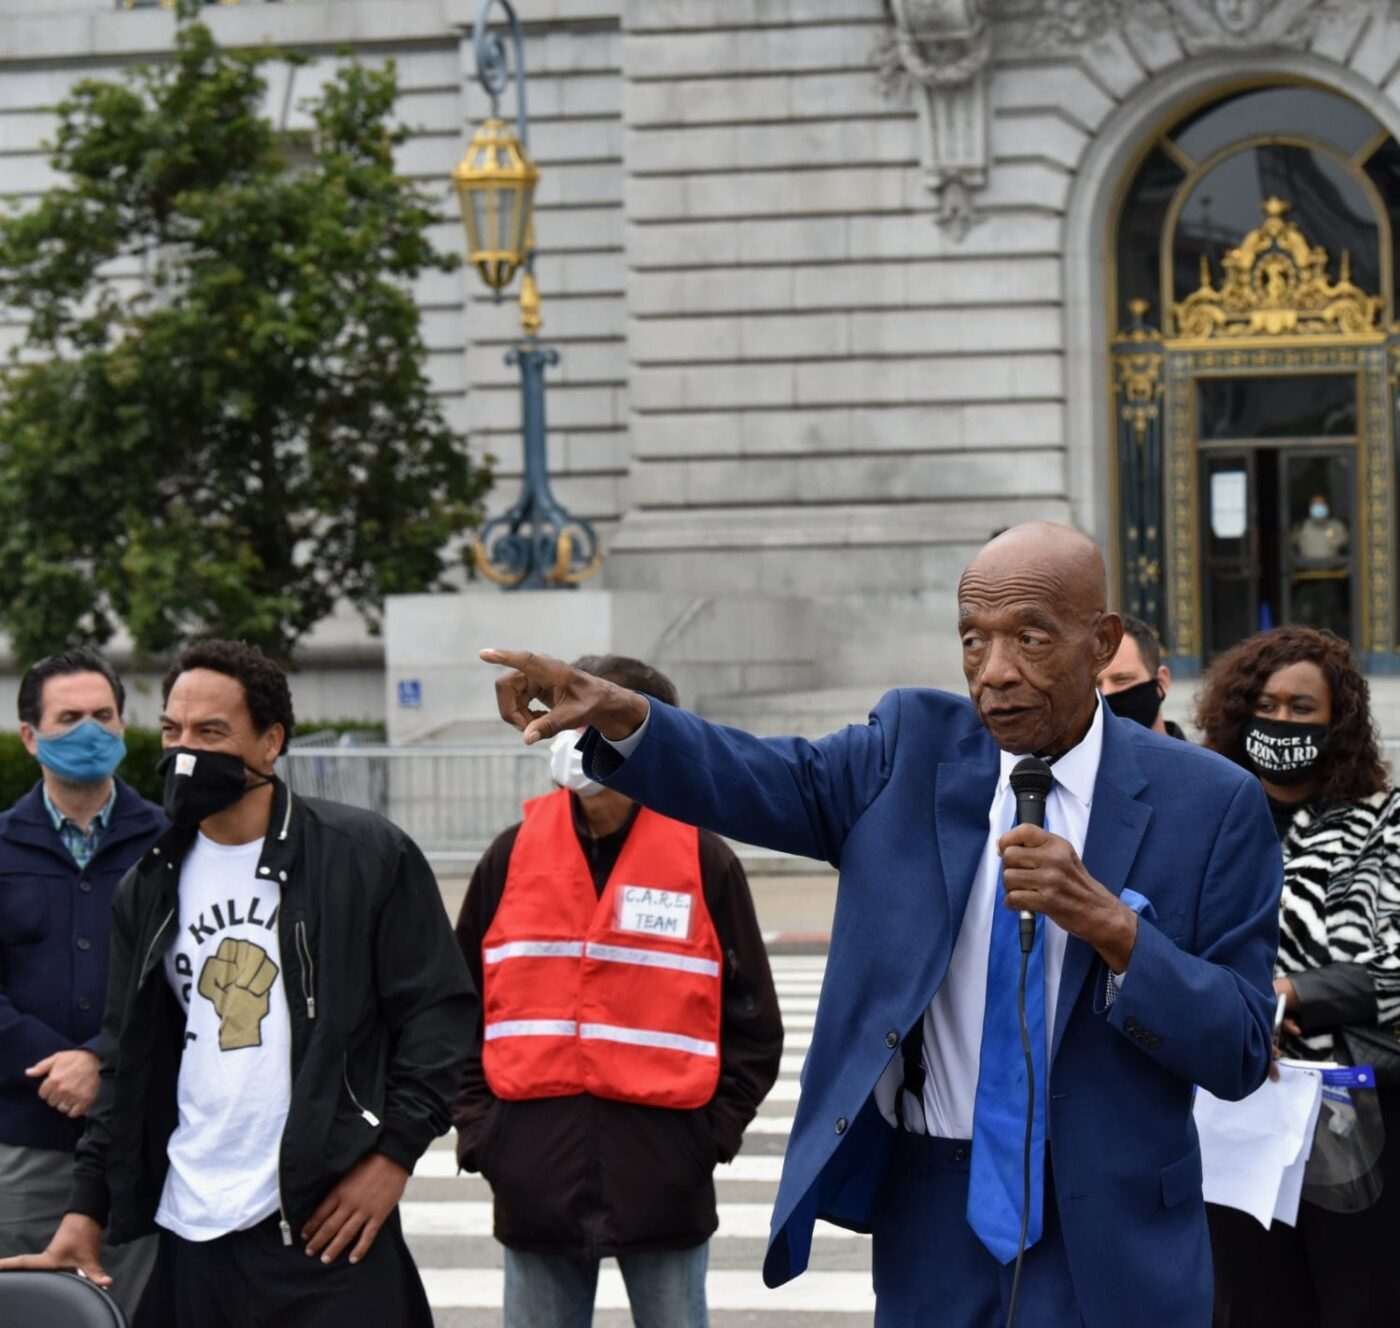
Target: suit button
x,y
85,1004
85,887
891,1039
960,1154
840,1125
84,943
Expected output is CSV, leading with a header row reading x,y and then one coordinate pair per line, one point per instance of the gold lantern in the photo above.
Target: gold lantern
x,y
495,185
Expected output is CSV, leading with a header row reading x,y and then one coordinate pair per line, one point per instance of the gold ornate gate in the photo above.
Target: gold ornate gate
x,y
1276,314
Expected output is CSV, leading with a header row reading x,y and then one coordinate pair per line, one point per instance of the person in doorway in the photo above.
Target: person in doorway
x,y
628,1031
1136,682
286,1010
1320,539
1290,706
63,848
1321,591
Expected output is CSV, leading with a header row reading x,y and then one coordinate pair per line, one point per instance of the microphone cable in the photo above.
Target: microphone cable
x,y
1031,782
1030,1125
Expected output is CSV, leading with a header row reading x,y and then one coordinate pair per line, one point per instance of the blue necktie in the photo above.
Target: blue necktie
x,y
996,1181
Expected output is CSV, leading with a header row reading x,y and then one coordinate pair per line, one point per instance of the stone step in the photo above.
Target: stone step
x,y
799,714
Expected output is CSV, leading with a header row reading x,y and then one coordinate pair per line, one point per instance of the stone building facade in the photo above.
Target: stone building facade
x,y
842,286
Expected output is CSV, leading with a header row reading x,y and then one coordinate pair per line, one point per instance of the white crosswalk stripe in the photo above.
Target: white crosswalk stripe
x,y
447,1218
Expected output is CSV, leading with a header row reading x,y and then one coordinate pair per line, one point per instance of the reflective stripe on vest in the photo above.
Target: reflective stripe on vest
x,y
647,1037
533,950
602,995
612,954
531,1028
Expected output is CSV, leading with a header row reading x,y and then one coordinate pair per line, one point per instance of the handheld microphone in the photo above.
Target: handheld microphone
x,y
1031,782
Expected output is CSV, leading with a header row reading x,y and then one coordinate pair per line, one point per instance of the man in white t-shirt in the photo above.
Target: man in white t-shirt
x,y
288,1011
235,1076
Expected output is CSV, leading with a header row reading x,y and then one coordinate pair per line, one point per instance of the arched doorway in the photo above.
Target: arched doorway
x,y
1253,291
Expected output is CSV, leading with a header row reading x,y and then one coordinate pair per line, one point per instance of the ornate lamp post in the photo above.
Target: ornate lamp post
x,y
536,544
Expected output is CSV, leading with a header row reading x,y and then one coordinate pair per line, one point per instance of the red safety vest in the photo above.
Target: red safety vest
x,y
617,996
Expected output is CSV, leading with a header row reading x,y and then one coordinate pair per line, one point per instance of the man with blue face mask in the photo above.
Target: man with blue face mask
x,y
63,848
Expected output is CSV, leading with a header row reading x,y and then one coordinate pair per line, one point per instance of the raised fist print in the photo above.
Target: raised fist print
x,y
236,981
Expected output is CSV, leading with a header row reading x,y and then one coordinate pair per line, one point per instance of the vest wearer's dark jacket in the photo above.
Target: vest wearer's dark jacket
x,y
377,995
589,1176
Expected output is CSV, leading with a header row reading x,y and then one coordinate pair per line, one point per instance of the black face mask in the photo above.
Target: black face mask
x,y
200,784
1141,703
1282,752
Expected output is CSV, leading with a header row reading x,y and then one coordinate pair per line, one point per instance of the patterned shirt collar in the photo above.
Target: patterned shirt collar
x,y
81,844
103,817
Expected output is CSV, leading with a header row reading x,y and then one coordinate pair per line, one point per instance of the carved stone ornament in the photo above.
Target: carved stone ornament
x,y
939,50
1200,25
1276,285
1038,24
1213,25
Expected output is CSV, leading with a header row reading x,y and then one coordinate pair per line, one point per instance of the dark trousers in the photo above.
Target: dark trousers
x,y
249,1279
930,1267
1333,1270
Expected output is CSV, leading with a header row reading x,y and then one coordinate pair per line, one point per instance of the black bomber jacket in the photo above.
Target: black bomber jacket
x,y
377,993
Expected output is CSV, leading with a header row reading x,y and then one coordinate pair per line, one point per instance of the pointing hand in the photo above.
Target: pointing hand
x,y
575,700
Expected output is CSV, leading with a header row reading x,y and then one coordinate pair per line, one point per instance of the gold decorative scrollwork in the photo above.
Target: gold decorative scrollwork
x,y
564,573
1138,372
1149,571
1276,284
561,573
507,578
1183,586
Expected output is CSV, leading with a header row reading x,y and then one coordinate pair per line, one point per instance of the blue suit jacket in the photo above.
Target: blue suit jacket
x,y
899,806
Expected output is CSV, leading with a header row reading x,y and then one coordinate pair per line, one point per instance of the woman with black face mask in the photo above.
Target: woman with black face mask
x,y
1290,706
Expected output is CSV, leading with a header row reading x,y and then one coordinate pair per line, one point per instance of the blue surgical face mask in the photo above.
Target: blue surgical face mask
x,y
1319,512
86,754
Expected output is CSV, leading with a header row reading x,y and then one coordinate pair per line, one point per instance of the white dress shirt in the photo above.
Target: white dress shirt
x,y
953,1021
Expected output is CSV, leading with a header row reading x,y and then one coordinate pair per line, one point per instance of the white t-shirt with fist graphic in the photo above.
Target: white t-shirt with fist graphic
x,y
235,1085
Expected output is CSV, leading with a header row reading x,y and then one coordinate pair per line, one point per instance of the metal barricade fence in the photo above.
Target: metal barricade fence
x,y
452,801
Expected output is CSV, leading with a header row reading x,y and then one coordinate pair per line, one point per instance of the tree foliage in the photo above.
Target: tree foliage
x,y
220,419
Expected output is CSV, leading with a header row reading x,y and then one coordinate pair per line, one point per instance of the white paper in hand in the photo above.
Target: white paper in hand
x,y
1290,1191
1253,1152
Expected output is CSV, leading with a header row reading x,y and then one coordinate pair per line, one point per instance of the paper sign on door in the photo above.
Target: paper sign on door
x,y
650,912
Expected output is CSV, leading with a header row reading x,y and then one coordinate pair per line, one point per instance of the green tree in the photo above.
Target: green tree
x,y
245,433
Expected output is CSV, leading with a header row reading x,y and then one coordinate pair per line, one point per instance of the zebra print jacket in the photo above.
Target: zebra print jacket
x,y
1339,938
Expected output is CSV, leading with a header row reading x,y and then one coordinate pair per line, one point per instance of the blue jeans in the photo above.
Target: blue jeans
x,y
666,1289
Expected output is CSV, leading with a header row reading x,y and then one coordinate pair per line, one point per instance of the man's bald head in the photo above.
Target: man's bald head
x,y
1060,554
1036,635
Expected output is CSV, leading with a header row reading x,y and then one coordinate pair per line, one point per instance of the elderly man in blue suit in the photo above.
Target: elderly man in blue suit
x,y
1154,885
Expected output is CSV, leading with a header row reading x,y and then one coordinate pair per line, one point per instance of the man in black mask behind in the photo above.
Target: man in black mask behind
x,y
289,1011
1136,682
